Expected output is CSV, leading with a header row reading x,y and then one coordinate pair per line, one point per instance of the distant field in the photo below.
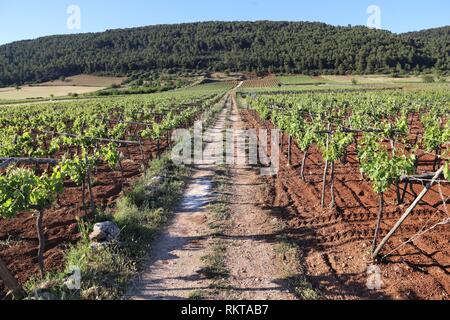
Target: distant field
x,y
61,99
348,79
327,82
372,79
308,83
317,88
298,80
233,76
425,86
28,92
86,84
77,84
266,82
84,80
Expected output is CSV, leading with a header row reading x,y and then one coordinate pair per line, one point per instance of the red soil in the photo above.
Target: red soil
x,y
18,238
336,243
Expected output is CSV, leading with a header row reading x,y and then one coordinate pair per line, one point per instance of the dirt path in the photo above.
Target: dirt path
x,y
255,269
174,268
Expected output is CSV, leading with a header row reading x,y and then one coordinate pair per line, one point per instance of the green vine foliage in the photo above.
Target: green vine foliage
x,y
21,190
385,152
44,130
382,168
76,169
110,154
338,144
433,135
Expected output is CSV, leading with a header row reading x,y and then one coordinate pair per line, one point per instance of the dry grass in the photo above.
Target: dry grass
x,y
85,80
27,92
371,79
77,84
234,76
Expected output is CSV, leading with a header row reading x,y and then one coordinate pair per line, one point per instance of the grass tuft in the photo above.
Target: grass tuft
x,y
196,295
214,263
294,272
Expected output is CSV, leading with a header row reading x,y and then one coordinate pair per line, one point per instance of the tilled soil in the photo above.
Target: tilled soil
x,y
336,243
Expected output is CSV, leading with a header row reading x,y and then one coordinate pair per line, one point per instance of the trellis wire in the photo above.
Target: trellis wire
x,y
423,231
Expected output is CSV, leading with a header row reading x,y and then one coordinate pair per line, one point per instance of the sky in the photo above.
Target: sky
x,y
29,19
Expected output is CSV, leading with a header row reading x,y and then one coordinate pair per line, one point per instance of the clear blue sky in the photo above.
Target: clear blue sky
x,y
28,19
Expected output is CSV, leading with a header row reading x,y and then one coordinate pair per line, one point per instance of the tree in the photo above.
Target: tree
x,y
221,46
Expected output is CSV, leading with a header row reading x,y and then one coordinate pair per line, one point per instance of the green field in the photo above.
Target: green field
x,y
299,80
305,83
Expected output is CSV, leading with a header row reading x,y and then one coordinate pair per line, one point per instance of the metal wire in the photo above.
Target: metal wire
x,y
429,180
423,231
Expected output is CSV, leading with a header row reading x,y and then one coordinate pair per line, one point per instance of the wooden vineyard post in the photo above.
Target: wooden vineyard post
x,y
305,156
333,197
141,149
158,149
258,159
83,196
41,237
10,282
281,141
290,151
324,184
379,218
407,212
88,177
5,162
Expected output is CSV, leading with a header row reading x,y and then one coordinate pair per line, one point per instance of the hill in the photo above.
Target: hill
x,y
297,47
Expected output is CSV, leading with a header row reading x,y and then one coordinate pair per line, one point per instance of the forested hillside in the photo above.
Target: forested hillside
x,y
300,47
